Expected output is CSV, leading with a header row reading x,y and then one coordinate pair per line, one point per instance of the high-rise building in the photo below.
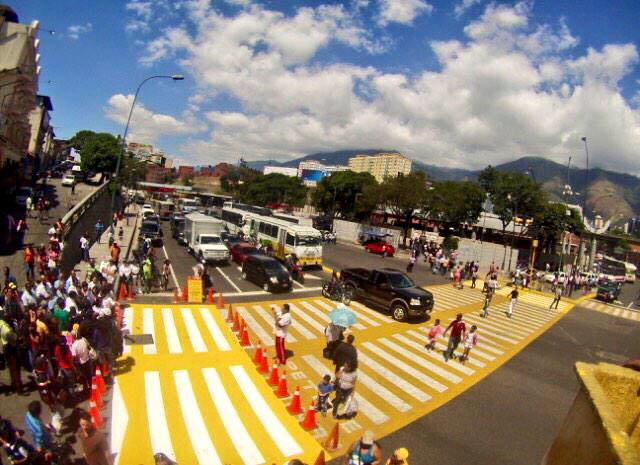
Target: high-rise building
x,y
312,171
382,165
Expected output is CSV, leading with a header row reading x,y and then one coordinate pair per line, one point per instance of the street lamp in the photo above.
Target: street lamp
x,y
175,77
586,184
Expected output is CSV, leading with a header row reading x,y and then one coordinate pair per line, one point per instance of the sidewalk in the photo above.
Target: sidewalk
x,y
100,251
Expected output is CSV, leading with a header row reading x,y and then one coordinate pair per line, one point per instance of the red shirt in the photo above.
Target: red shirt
x,y
457,328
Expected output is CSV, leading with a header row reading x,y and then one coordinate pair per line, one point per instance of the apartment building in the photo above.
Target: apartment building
x,y
381,165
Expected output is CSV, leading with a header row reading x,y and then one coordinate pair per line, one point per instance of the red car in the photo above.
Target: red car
x,y
241,250
380,247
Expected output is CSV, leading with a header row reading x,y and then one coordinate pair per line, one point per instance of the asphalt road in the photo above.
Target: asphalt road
x,y
513,415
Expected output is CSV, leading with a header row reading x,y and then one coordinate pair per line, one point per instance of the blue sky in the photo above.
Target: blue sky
x,y
459,83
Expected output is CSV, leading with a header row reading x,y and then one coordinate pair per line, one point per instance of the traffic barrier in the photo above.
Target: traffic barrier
x,y
236,322
320,459
263,367
309,421
210,296
257,356
185,294
122,293
220,300
294,407
95,395
230,314
282,390
332,441
99,381
274,377
244,335
94,412
176,299
131,294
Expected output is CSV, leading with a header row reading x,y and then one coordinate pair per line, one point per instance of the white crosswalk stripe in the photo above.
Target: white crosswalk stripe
x,y
127,325
173,341
156,418
294,324
406,386
359,315
148,328
299,313
192,330
214,330
452,378
266,338
268,318
372,313
429,353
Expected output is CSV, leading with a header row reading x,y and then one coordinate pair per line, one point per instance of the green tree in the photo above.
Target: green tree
x,y
100,153
80,138
343,193
456,203
132,171
403,195
274,188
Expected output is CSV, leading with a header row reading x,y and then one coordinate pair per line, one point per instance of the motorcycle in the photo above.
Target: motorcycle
x,y
296,273
337,292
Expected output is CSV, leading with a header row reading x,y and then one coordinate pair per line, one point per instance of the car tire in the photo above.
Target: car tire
x,y
385,254
399,312
265,287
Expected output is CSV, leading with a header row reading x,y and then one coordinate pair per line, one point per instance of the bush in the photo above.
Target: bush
x,y
450,243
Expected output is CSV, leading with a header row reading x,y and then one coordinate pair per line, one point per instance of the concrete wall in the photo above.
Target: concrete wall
x,y
349,231
485,253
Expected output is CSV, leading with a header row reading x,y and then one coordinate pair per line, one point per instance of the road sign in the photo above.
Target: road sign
x,y
194,289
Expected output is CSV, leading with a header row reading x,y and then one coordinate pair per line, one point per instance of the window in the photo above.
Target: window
x,y
290,239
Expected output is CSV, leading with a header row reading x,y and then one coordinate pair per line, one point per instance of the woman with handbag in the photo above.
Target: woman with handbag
x,y
346,379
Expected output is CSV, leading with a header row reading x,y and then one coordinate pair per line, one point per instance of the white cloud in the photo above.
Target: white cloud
x,y
402,11
511,87
462,6
74,32
140,8
146,126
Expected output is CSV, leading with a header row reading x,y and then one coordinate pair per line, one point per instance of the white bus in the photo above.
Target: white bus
x,y
286,238
187,205
302,221
234,219
164,208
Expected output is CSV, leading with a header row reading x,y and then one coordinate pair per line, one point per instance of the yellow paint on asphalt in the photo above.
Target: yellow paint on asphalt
x,y
399,380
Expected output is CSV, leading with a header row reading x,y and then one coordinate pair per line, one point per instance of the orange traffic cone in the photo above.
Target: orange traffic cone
x,y
294,407
244,336
257,356
95,395
331,443
236,322
131,294
99,381
230,314
282,390
96,418
210,296
220,300
320,459
176,299
263,367
309,421
122,292
185,294
273,377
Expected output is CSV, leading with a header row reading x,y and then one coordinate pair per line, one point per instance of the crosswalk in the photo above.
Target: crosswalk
x,y
615,310
204,401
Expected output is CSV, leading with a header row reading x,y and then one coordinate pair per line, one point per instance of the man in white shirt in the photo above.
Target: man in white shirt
x,y
84,246
27,298
43,289
282,321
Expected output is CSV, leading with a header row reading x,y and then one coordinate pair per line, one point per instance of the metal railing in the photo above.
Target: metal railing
x,y
70,219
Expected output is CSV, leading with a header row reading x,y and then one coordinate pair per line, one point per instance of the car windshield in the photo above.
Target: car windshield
x,y
210,240
399,281
150,228
274,265
308,240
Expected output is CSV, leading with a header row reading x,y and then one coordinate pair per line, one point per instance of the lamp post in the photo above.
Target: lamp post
x,y
586,184
175,77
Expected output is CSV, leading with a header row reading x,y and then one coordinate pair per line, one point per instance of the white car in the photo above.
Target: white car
x,y
550,277
68,180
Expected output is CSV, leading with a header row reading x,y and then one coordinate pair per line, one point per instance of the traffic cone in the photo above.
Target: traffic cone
x,y
105,368
122,293
99,381
220,300
273,377
331,443
294,407
95,395
185,294
244,336
210,296
131,294
176,299
117,310
230,314
257,356
264,367
96,418
282,390
236,322
320,459
309,421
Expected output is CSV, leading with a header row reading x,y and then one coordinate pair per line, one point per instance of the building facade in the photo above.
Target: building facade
x,y
293,172
382,165
41,145
18,87
312,171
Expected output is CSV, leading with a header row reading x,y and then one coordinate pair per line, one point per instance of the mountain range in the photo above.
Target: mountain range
x,y
612,195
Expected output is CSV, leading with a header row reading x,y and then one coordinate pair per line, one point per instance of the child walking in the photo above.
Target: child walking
x,y
434,333
325,388
512,302
470,340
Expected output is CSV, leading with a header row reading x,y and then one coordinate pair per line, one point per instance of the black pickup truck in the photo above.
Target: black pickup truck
x,y
388,289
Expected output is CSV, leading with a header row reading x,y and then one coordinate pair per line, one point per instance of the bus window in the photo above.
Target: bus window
x,y
290,240
308,240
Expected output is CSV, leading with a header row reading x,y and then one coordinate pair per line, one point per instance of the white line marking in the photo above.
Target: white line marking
x,y
279,434
359,315
406,386
214,330
431,354
294,324
373,313
366,407
148,328
244,445
173,342
617,312
486,347
264,337
297,283
156,418
196,428
630,305
119,421
224,275
127,325
299,313
323,316
173,273
268,318
406,368
192,329
247,293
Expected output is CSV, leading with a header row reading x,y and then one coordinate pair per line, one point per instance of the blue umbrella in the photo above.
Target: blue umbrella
x,y
342,316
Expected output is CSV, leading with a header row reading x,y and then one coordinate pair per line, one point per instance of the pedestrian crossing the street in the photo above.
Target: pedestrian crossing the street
x,y
197,392
612,309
